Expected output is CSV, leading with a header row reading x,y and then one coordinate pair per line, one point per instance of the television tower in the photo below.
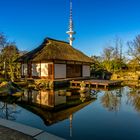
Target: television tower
x,y
71,32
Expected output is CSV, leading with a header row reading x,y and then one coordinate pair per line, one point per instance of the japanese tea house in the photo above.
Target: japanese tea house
x,y
55,59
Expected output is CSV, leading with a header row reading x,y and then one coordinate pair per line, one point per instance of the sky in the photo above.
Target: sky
x,y
96,22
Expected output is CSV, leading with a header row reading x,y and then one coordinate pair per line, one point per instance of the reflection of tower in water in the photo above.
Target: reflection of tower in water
x,y
71,118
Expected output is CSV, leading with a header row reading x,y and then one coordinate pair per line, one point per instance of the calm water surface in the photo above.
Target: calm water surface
x,y
114,115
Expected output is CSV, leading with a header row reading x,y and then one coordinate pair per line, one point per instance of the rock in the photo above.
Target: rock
x,y
68,93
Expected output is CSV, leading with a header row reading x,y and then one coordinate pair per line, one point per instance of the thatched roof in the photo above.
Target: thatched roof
x,y
52,49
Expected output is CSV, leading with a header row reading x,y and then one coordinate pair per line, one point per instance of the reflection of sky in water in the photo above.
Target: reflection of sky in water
x,y
94,121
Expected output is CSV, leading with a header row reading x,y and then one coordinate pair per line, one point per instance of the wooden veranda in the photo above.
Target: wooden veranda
x,y
95,83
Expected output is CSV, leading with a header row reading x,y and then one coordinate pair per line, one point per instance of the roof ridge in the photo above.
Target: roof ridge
x,y
49,38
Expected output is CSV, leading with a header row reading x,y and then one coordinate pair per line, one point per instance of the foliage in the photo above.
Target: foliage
x,y
8,54
97,65
111,59
44,84
97,69
82,84
4,84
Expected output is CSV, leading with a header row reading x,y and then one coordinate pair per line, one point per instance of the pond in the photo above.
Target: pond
x,y
112,115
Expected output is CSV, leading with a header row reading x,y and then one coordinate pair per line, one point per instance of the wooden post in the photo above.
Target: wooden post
x,y
22,69
30,69
53,72
40,69
96,85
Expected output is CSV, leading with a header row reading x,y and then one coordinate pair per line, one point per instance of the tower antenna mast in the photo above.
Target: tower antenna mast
x,y
71,32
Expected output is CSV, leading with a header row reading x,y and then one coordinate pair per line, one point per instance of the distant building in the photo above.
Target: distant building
x,y
55,59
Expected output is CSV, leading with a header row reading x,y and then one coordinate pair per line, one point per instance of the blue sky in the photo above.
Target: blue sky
x,y
96,22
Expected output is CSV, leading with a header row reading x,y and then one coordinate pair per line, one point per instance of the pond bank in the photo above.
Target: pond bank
x,y
16,131
7,133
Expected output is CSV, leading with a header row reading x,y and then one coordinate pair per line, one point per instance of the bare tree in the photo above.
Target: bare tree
x,y
134,48
3,41
112,56
117,54
108,53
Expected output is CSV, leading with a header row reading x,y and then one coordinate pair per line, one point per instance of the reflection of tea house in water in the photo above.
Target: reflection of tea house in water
x,y
57,103
44,98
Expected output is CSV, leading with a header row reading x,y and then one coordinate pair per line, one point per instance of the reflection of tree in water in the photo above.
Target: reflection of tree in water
x,y
8,111
111,100
134,98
